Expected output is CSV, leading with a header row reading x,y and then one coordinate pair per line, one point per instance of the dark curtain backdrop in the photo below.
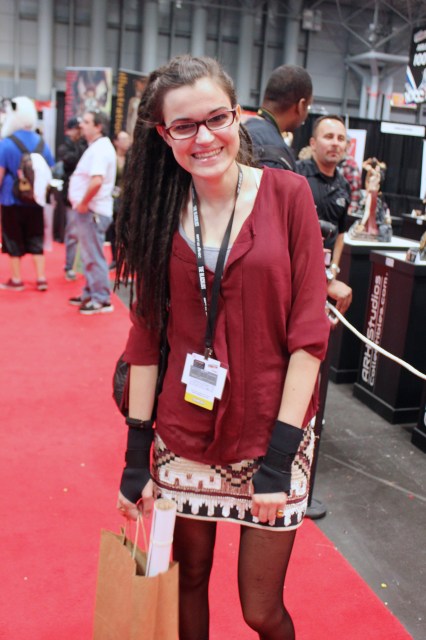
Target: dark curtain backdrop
x,y
402,155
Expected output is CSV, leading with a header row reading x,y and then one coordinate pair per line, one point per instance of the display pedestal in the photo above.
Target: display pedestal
x,y
355,267
419,433
395,320
412,226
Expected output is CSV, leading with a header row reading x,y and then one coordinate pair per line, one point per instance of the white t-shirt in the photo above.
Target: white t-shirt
x,y
99,159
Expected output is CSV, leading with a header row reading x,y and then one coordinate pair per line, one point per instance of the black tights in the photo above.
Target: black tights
x,y
262,566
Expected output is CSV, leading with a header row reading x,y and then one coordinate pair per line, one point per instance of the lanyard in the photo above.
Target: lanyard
x,y
263,113
211,312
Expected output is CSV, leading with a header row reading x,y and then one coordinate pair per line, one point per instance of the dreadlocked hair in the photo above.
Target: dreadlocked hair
x,y
156,188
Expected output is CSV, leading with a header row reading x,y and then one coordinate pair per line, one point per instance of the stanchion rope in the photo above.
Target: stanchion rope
x,y
373,345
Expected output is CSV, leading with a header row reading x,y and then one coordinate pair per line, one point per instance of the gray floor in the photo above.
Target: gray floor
x,y
373,482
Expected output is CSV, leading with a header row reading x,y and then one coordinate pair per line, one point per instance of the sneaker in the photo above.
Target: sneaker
x,y
11,285
70,275
91,307
77,301
42,285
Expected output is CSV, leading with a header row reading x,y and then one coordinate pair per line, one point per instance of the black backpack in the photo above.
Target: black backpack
x,y
23,186
274,156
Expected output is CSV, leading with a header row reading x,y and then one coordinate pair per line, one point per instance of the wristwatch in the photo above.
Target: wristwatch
x,y
329,274
334,267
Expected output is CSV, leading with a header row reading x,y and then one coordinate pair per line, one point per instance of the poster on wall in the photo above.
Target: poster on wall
x,y
130,87
87,88
415,76
357,142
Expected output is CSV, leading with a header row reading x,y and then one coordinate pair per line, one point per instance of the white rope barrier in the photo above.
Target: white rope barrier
x,y
373,345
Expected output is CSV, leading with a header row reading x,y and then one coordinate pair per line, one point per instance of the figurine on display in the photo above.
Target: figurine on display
x,y
422,247
376,223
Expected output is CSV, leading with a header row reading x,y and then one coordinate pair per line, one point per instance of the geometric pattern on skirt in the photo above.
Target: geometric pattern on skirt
x,y
223,493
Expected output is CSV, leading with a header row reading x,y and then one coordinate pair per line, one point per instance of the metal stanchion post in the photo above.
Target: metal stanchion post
x,y
316,509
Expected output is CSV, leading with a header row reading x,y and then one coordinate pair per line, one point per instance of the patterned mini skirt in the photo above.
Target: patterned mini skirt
x,y
223,493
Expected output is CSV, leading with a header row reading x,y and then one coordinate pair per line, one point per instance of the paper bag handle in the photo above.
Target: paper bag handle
x,y
139,524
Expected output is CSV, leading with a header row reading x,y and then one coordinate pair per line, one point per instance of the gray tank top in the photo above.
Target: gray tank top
x,y
210,253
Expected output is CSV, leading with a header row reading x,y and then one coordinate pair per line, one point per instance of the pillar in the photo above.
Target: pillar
x,y
387,88
98,33
374,92
199,31
44,73
149,60
291,32
363,99
245,65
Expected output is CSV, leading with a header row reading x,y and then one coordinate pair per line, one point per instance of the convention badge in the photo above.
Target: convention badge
x,y
204,379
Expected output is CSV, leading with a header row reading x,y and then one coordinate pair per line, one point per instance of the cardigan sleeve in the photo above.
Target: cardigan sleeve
x,y
308,327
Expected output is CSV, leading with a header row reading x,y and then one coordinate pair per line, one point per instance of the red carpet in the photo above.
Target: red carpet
x,y
60,462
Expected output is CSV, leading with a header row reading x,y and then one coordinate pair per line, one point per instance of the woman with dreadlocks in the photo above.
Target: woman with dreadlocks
x,y
230,257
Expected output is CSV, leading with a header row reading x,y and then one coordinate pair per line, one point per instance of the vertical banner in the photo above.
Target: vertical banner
x,y
374,328
87,88
130,87
415,76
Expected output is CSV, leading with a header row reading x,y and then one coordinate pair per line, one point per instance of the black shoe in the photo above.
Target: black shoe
x,y
91,307
77,301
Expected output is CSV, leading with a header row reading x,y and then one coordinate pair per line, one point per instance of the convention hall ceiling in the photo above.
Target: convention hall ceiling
x,y
382,25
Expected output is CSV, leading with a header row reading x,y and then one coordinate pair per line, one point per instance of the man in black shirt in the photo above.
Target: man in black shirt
x,y
330,190
69,153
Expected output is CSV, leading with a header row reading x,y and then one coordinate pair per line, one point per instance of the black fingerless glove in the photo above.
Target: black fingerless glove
x,y
274,473
136,473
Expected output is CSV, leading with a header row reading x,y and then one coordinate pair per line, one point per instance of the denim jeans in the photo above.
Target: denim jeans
x,y
71,238
91,229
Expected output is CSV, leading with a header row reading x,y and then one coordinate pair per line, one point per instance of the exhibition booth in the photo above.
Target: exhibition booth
x,y
395,319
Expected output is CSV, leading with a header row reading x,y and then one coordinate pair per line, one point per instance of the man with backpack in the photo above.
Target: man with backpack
x,y
23,154
285,107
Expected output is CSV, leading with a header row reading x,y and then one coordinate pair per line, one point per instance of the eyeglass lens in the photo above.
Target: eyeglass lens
x,y
189,129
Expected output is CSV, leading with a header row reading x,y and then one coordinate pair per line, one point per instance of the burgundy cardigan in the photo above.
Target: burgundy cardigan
x,y
271,303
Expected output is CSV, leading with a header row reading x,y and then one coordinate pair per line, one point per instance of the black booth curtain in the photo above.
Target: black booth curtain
x,y
402,155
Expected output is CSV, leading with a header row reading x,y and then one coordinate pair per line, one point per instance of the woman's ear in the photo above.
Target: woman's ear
x,y
238,113
162,133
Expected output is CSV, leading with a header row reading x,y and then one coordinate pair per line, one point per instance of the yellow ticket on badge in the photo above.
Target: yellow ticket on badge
x,y
201,402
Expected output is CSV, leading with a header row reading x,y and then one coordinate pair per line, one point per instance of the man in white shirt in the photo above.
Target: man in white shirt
x,y
90,193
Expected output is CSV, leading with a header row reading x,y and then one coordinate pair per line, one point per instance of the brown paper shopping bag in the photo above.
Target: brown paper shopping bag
x,y
130,606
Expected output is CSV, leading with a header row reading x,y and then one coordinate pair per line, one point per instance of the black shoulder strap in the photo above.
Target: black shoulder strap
x,y
274,156
40,146
19,144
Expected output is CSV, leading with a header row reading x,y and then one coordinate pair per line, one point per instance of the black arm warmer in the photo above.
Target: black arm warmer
x,y
274,473
136,473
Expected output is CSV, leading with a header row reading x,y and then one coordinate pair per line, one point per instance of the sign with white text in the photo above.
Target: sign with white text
x,y
415,76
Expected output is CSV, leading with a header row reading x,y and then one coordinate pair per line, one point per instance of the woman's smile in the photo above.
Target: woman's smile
x,y
206,155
